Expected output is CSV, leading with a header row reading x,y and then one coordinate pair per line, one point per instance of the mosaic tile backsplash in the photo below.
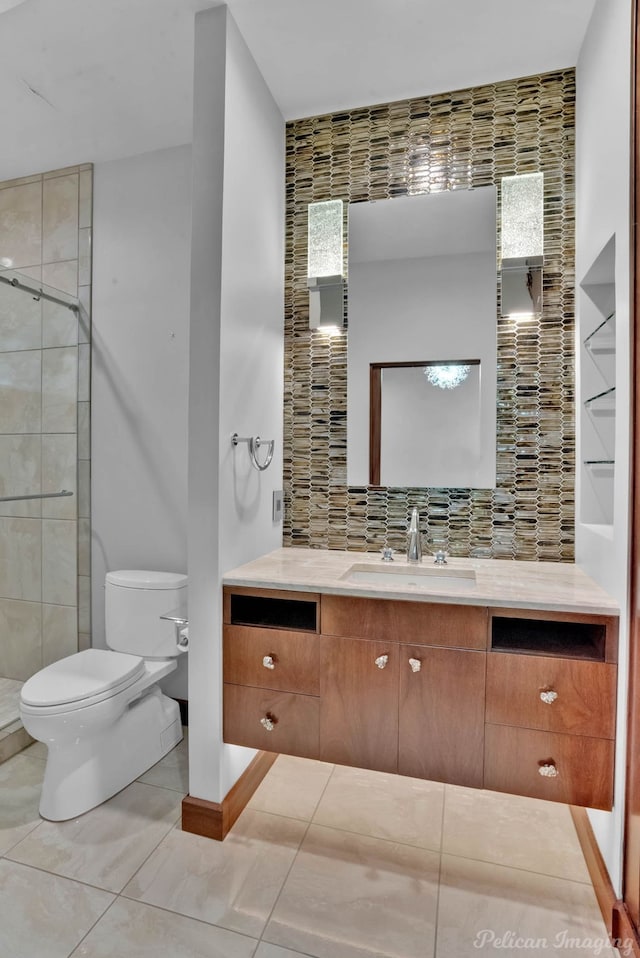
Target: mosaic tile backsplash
x,y
458,140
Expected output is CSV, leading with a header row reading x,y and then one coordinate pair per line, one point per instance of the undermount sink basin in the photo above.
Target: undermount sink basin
x,y
419,577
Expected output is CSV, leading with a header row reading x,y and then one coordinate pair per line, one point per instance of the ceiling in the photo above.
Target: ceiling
x,y
92,80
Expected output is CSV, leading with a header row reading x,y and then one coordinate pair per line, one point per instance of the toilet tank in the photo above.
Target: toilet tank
x,y
134,602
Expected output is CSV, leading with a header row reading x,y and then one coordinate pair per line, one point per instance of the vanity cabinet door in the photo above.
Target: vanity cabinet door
x,y
441,720
359,703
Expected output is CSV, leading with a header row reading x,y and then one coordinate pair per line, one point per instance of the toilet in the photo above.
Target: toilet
x,y
100,712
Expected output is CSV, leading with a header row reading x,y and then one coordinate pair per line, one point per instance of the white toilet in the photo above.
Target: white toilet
x,y
100,712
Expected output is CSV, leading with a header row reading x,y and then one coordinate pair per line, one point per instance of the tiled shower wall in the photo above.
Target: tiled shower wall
x,y
455,140
45,234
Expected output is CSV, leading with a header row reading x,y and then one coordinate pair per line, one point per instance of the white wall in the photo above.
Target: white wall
x,y
236,383
142,220
602,203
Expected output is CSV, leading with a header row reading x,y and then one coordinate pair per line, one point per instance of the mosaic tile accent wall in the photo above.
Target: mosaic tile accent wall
x,y
455,140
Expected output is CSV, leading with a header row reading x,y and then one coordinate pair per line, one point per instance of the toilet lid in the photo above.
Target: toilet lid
x,y
82,676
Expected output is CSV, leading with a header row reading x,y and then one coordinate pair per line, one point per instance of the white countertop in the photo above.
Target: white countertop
x,y
554,586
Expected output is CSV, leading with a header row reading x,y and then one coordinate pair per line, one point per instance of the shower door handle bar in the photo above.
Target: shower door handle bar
x,y
44,495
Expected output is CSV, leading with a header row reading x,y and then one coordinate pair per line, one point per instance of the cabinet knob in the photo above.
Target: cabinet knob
x,y
548,770
269,662
415,664
381,661
548,696
268,723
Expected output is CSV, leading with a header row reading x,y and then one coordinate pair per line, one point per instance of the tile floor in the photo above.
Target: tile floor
x,y
325,862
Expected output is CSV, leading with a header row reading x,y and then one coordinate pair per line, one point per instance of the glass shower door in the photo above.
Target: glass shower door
x,y
38,481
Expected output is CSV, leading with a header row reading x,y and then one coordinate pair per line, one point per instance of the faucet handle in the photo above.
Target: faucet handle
x,y
387,554
440,557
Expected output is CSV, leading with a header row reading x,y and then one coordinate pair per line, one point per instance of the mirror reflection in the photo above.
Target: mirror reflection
x,y
422,294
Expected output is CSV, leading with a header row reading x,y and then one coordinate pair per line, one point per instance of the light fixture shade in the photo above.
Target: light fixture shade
x,y
522,216
325,277
325,239
522,253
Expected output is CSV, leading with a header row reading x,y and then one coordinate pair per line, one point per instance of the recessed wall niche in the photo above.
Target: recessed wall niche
x,y
457,140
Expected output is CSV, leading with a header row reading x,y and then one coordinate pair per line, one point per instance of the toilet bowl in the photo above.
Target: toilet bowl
x,y
100,712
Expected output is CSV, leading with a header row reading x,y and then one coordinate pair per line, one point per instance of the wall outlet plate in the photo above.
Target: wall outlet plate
x,y
278,505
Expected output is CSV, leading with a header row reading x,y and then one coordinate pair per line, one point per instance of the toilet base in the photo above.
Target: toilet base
x,y
85,772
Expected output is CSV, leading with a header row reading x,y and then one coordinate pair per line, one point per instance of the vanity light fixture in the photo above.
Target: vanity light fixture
x,y
522,254
447,376
325,276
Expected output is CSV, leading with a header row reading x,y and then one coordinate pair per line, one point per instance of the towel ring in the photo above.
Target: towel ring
x,y
254,444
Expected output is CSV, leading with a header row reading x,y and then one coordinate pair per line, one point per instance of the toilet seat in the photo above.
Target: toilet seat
x,y
81,680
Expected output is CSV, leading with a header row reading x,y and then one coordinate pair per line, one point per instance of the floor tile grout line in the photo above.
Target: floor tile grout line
x,y
519,868
437,911
89,930
286,878
79,881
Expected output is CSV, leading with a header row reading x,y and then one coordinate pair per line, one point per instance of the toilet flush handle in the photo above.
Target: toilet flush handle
x,y
181,623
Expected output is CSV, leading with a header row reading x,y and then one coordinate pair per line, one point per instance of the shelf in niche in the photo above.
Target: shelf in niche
x,y
600,462
602,339
603,402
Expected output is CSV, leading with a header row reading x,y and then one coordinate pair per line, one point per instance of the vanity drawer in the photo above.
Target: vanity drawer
x,y
273,721
415,623
272,659
514,758
585,694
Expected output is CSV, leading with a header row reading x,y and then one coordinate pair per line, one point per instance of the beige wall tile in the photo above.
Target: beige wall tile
x,y
60,324
21,181
84,603
84,489
86,199
84,641
20,383
20,465
59,471
20,320
59,389
12,741
84,372
59,561
84,433
63,171
60,218
59,632
84,295
20,558
21,631
84,257
21,225
84,546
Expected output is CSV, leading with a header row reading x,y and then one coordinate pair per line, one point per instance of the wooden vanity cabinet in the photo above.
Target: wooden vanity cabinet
x,y
359,703
441,715
511,700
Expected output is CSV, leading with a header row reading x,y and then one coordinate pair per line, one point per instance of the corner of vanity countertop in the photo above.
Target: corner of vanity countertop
x,y
506,583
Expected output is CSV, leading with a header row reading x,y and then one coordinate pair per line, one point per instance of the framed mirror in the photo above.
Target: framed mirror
x,y
422,296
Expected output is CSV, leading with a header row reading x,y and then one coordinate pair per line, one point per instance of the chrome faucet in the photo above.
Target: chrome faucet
x,y
414,544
